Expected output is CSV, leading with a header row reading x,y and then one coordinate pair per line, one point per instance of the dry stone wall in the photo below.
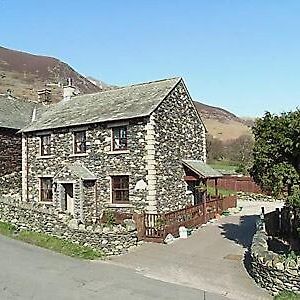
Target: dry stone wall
x,y
112,241
272,271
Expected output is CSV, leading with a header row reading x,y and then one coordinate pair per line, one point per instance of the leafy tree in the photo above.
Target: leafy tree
x,y
276,153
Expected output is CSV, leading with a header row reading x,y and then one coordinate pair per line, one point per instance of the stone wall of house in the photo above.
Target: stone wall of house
x,y
10,151
179,134
112,241
272,271
11,184
99,159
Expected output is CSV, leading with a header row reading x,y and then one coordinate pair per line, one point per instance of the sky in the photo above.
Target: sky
x,y
241,55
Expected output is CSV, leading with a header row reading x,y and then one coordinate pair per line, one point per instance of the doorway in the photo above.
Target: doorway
x,y
68,200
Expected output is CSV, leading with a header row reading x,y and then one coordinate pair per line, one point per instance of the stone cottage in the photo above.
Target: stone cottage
x,y
121,149
14,115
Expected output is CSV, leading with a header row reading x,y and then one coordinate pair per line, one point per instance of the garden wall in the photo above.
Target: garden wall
x,y
112,241
273,271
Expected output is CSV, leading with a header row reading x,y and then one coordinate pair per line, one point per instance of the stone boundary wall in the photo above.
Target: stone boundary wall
x,y
112,241
273,271
11,184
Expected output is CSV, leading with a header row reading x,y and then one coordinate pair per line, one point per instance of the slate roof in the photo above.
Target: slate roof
x,y
79,171
202,169
15,113
124,103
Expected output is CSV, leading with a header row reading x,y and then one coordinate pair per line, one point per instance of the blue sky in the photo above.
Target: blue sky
x,y
242,55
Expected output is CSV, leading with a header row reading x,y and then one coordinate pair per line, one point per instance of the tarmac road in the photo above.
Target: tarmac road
x,y
29,272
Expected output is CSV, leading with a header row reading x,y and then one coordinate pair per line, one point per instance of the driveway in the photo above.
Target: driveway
x,y
29,272
212,259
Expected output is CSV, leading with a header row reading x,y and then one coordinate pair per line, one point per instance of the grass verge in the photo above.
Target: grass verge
x,y
50,242
223,192
285,295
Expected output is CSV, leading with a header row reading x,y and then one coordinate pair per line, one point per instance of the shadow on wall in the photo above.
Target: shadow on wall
x,y
242,234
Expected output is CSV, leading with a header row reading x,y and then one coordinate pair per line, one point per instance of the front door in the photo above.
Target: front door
x,y
69,198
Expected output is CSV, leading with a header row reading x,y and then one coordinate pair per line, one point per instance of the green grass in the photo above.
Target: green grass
x,y
223,192
287,296
223,166
49,242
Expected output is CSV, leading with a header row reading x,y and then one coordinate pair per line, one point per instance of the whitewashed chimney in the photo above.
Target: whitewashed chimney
x,y
69,90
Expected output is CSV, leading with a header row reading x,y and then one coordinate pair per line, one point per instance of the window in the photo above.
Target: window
x,y
119,138
45,144
120,189
79,142
46,194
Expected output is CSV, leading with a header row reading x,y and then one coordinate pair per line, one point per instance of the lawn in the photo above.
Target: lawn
x,y
226,166
287,296
50,242
223,192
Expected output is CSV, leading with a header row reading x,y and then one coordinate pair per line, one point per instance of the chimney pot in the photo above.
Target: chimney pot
x,y
68,90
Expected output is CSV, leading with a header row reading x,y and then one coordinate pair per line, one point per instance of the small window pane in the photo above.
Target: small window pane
x,y
120,189
46,145
120,138
79,142
46,190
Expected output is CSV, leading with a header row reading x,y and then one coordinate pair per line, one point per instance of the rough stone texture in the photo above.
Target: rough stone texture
x,y
10,184
272,271
179,135
98,159
10,151
112,241
156,146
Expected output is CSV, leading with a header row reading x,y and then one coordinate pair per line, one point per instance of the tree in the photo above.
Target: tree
x,y
276,153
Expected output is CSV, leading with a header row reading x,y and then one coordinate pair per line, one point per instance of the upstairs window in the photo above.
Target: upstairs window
x,y
119,138
45,144
120,189
46,194
79,142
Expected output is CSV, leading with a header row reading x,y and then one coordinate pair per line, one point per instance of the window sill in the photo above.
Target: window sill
x,y
45,156
78,155
120,205
45,202
118,152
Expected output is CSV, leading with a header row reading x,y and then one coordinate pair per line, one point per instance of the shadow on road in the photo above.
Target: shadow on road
x,y
241,234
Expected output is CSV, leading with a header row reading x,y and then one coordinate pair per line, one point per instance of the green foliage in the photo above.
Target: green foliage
x,y
58,245
286,295
110,218
294,198
276,151
233,152
7,229
50,242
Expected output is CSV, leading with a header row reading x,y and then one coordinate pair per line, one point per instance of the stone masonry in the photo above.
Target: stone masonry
x,y
156,145
273,271
179,134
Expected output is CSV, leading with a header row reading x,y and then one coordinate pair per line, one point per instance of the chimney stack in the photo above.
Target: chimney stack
x,y
69,90
44,96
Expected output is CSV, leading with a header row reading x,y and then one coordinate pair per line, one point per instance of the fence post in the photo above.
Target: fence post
x,y
262,218
140,225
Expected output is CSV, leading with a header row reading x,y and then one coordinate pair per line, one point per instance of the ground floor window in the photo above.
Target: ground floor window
x,y
120,189
46,193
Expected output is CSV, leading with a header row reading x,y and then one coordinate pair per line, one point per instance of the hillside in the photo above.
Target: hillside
x,y
222,124
24,74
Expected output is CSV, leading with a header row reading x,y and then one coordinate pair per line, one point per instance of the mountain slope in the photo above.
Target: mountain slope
x,y
222,124
23,74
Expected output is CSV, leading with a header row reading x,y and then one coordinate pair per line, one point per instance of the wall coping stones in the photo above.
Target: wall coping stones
x,y
273,271
113,240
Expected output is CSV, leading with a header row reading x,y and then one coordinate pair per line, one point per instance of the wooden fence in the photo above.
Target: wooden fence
x,y
238,184
283,222
155,227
